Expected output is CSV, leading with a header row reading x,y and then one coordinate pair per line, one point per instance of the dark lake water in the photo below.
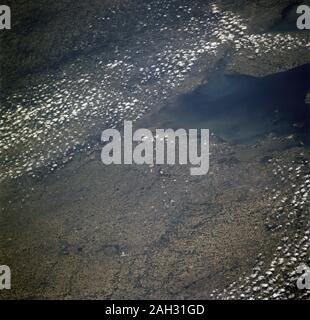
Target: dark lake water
x,y
242,109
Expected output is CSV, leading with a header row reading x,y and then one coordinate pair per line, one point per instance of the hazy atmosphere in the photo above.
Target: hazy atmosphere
x,y
72,227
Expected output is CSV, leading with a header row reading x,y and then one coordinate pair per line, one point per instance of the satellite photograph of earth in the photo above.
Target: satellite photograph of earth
x,y
72,227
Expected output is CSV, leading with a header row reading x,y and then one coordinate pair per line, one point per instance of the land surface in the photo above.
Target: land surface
x,y
71,227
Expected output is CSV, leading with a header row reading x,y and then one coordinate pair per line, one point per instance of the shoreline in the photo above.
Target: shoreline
x,y
78,229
